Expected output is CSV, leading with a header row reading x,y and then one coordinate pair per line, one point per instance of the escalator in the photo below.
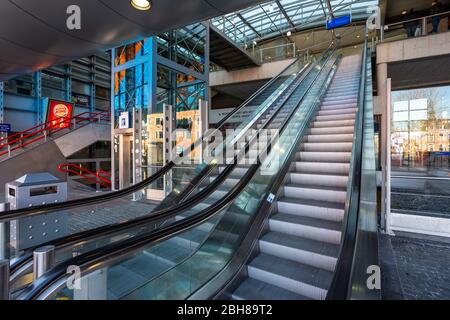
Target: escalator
x,y
77,243
301,247
287,226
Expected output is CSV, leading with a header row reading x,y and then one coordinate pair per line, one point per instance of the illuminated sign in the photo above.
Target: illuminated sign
x,y
59,113
124,120
339,22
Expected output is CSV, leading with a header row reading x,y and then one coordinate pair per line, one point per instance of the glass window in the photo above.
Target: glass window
x,y
420,151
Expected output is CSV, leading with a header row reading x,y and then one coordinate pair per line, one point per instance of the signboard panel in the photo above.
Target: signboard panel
x,y
5,128
339,22
59,113
124,120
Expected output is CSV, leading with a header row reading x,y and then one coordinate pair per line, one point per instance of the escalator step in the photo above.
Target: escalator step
x,y
252,289
293,276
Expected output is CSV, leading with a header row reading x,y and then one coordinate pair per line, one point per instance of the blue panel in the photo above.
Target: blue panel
x,y
5,127
339,22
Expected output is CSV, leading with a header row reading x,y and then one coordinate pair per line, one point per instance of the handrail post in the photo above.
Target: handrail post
x,y
424,26
9,151
74,123
43,261
4,280
5,234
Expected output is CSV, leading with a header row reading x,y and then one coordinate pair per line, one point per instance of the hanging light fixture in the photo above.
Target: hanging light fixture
x,y
141,4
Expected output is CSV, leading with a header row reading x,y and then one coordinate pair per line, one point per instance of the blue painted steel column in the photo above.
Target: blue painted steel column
x,y
207,62
2,107
68,94
38,92
152,71
92,87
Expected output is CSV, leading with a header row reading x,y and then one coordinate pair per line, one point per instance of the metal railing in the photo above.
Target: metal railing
x,y
100,177
421,23
43,131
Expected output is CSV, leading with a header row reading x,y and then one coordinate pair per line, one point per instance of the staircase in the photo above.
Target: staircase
x,y
298,254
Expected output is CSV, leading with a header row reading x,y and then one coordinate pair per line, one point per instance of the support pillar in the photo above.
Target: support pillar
x,y
43,261
4,280
382,87
168,145
38,95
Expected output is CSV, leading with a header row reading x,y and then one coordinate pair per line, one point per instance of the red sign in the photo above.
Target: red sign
x,y
59,114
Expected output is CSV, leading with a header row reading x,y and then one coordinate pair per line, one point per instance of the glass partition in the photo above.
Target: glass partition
x,y
420,151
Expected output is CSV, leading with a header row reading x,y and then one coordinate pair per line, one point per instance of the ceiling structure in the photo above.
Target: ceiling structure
x,y
277,17
34,34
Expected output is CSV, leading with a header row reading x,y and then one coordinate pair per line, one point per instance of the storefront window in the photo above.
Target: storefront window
x,y
420,151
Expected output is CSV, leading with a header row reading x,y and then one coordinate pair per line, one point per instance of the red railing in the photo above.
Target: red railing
x,y
44,130
101,177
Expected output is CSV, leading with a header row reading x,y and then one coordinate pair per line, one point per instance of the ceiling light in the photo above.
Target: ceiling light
x,y
141,4
289,33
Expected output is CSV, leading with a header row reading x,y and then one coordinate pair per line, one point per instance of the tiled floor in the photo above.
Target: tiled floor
x,y
414,268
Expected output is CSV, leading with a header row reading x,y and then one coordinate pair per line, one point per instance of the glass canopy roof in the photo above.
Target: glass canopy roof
x,y
275,18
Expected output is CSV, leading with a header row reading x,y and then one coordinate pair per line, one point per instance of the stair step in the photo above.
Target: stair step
x,y
328,112
329,137
292,276
319,180
330,211
324,156
339,107
327,147
337,123
322,167
306,251
300,191
332,130
252,289
336,117
306,227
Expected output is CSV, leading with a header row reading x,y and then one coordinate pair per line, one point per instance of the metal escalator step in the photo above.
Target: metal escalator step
x,y
306,227
252,289
306,251
322,193
331,211
292,276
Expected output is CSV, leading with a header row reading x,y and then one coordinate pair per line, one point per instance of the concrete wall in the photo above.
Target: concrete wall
x,y
77,140
414,48
43,158
266,71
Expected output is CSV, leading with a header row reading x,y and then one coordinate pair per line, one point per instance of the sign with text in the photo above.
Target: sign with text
x,y
124,120
59,113
339,22
5,128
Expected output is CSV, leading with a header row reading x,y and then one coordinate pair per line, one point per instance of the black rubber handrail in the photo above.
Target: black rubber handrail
x,y
103,256
44,209
340,284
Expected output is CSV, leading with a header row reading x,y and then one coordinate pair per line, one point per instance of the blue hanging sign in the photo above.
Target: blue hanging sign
x,y
339,22
5,127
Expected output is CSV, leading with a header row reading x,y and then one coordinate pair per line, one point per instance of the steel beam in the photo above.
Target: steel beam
x,y
248,24
286,16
